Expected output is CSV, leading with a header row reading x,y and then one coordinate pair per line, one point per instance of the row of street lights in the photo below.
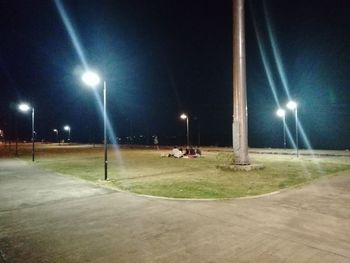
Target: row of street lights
x,y
91,79
24,107
293,106
66,128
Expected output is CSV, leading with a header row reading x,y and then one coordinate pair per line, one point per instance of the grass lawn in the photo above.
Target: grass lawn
x,y
145,172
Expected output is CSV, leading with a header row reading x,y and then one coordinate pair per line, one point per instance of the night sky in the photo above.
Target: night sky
x,y
164,57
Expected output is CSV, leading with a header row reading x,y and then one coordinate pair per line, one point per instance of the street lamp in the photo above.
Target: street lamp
x,y
24,108
282,114
92,79
292,105
185,117
67,128
56,132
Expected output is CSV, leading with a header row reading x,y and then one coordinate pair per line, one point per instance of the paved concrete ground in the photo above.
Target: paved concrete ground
x,y
50,218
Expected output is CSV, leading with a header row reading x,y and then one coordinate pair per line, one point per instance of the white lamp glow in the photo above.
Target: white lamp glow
x,y
24,107
183,116
90,78
281,113
292,105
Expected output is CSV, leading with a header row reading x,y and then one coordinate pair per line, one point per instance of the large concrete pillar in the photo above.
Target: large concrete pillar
x,y
240,113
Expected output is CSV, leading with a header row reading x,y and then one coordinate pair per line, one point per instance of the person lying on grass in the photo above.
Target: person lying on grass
x,y
188,153
175,152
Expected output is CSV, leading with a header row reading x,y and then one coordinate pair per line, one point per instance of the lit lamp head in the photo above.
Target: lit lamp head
x,y
91,78
281,113
183,116
66,128
55,130
24,107
292,105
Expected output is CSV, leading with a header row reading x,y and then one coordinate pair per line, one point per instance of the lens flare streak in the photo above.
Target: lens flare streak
x,y
280,69
265,62
78,48
70,30
276,52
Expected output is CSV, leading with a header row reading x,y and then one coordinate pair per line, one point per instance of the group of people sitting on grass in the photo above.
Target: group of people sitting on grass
x,y
187,152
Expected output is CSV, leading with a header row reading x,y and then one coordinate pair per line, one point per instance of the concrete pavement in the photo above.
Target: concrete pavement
x,y
46,217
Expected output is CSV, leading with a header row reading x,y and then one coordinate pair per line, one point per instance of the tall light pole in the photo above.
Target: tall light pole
x,y
56,132
292,105
185,117
24,108
68,129
92,79
282,114
240,112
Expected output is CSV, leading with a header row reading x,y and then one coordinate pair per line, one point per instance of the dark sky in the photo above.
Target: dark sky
x,y
163,57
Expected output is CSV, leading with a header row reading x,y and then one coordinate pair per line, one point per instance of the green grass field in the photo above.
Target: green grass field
x,y
146,172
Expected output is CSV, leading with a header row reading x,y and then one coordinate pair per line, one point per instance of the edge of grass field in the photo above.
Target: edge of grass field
x,y
105,184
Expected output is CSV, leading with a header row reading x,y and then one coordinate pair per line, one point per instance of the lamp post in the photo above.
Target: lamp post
x,y
282,114
67,128
56,132
185,117
92,79
292,105
24,108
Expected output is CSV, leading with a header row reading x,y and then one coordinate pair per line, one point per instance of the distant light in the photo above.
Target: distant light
x,y
66,128
292,105
55,130
90,78
183,116
281,113
24,107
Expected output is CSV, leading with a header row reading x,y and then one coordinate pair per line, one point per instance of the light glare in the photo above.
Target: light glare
x,y
90,78
281,113
66,128
24,107
183,116
292,105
